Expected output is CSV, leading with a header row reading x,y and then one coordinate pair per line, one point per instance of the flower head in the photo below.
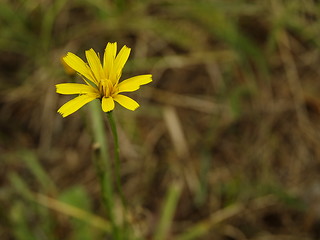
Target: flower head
x,y
101,80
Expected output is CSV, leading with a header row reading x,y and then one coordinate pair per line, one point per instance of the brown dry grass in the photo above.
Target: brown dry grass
x,y
233,114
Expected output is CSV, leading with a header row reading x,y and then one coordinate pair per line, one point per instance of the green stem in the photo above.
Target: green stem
x,y
117,172
103,165
116,155
106,191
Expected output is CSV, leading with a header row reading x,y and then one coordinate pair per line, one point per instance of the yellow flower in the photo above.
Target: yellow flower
x,y
101,80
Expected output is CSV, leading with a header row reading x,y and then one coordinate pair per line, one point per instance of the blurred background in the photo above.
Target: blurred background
x,y
225,145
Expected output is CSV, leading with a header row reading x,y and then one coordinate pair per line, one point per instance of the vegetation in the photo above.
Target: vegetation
x,y
224,146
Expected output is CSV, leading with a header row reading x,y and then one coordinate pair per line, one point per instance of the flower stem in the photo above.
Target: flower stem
x,y
118,174
103,165
116,155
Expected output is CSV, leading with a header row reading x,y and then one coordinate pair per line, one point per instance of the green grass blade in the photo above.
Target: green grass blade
x,y
168,211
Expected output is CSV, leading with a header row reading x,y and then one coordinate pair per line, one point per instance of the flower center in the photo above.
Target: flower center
x,y
106,88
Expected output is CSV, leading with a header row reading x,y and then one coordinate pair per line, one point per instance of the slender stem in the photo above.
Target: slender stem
x,y
116,155
103,164
118,174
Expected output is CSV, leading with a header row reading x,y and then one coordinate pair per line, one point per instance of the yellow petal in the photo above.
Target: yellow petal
x,y
107,104
126,102
95,64
108,58
74,104
75,88
120,61
134,83
67,68
79,66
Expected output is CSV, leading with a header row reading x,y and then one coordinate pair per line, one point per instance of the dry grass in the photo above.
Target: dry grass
x,y
231,119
